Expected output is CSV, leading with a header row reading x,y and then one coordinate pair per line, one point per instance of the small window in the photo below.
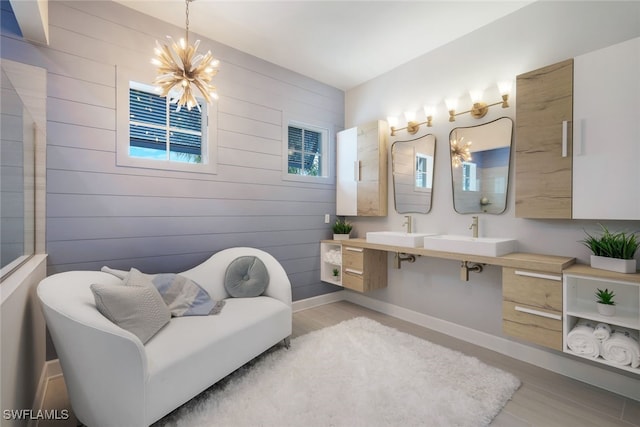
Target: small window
x,y
158,131
306,151
152,134
423,175
469,180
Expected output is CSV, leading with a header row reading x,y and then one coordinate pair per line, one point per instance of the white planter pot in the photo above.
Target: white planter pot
x,y
613,264
340,237
606,309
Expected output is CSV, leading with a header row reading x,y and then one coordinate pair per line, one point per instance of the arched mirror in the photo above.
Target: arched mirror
x,y
412,165
480,166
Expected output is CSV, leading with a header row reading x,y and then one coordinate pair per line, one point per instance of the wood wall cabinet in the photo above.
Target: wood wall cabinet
x,y
532,306
361,172
363,269
543,162
606,133
577,133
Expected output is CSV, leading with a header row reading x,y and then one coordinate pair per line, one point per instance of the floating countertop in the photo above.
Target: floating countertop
x,y
539,262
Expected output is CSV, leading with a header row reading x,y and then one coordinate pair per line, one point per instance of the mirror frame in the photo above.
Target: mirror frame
x,y
433,175
507,191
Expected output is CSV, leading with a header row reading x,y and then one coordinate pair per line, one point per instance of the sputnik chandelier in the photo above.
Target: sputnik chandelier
x,y
180,69
460,152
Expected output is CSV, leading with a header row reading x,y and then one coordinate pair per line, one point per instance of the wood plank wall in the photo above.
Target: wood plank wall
x,y
160,221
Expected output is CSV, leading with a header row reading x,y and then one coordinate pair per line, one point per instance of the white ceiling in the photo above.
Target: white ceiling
x,y
340,43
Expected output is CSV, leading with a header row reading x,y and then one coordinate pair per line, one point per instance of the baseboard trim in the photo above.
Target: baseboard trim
x,y
50,370
586,371
304,304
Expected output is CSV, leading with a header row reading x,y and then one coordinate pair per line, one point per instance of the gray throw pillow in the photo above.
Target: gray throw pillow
x,y
245,277
138,309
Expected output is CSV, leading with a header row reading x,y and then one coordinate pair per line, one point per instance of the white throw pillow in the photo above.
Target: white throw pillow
x,y
138,309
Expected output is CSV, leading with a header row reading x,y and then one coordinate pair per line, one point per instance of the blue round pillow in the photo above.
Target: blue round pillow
x,y
246,277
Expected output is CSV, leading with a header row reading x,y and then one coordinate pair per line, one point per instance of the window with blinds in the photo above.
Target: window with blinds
x,y
305,151
158,131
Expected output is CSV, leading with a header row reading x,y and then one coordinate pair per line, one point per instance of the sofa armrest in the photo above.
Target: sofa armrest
x,y
105,366
210,274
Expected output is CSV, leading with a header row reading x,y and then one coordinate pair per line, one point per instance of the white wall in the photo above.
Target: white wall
x,y
537,35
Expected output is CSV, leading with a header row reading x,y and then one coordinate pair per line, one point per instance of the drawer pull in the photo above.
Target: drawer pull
x,y
353,249
351,270
539,275
538,313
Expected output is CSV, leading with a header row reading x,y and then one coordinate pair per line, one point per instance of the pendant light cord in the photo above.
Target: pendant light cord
x,y
187,21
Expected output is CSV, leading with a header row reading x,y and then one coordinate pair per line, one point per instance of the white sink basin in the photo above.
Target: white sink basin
x,y
484,246
397,238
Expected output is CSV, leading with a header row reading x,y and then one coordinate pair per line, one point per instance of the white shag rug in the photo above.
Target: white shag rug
x,y
356,373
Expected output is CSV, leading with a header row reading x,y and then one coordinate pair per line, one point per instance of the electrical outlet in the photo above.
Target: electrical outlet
x,y
327,218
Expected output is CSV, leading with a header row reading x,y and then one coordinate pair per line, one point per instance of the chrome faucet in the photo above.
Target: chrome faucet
x,y
407,223
474,226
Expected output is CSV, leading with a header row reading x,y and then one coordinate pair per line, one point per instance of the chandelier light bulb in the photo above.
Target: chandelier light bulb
x,y
180,68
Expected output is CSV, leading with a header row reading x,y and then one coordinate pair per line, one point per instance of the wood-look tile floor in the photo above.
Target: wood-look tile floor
x,y
545,399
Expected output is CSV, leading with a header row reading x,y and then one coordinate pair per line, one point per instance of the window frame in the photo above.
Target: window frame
x,y
209,149
472,179
327,145
427,173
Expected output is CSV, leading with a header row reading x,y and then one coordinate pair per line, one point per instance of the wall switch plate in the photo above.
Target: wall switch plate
x,y
327,218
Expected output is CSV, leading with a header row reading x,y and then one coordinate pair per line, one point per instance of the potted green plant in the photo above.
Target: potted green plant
x,y
613,251
604,302
341,229
336,273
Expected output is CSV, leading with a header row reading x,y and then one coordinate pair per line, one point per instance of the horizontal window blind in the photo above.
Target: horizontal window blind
x,y
151,122
304,147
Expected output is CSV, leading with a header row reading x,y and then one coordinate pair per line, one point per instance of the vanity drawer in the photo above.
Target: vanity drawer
x,y
542,327
363,270
353,257
352,281
534,289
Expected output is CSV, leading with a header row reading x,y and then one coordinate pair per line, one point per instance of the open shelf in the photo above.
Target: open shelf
x,y
330,259
579,288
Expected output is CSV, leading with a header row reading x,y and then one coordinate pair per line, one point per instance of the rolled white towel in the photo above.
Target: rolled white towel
x,y
622,347
582,341
602,331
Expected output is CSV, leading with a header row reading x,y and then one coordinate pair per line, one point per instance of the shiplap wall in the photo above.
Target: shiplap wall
x,y
160,221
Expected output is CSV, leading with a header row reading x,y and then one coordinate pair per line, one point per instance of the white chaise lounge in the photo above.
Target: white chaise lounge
x,y
113,379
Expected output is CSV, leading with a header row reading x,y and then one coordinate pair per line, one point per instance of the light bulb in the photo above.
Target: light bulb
x,y
452,103
429,110
476,96
410,116
504,87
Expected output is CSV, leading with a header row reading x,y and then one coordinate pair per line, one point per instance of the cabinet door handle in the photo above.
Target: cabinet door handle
x,y
538,275
351,270
348,248
565,130
356,170
538,313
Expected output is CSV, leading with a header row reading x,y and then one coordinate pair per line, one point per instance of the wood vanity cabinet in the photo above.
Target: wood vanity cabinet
x,y
361,172
544,109
532,306
363,269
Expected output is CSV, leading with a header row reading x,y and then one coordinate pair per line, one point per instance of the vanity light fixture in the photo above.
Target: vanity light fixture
x,y
479,109
412,126
180,70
